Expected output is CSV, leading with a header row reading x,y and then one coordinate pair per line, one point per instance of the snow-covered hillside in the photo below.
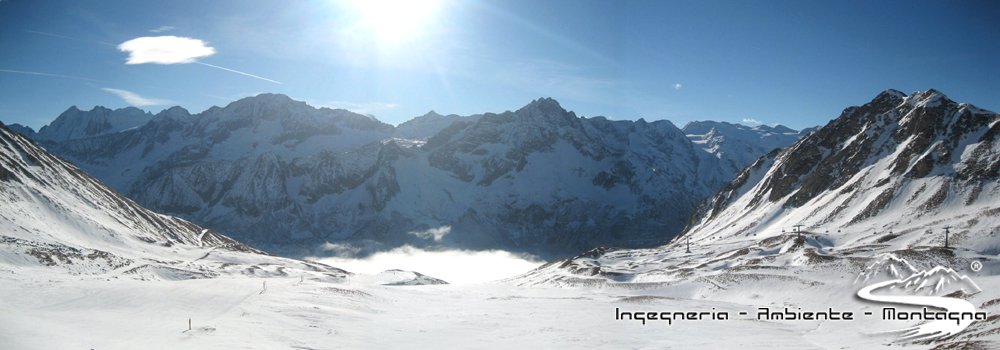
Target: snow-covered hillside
x,y
56,220
892,173
280,175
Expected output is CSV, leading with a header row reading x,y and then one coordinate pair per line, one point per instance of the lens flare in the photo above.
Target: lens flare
x,y
394,20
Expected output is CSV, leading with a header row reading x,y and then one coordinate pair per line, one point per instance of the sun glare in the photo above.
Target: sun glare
x,y
393,20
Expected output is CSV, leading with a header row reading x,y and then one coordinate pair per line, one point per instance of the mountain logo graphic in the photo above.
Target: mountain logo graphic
x,y
893,280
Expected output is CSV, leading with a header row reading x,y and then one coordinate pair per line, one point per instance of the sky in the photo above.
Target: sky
x,y
795,63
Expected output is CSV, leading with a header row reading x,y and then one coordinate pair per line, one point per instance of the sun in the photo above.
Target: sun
x,y
395,20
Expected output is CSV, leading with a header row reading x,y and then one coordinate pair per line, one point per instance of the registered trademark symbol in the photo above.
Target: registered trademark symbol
x,y
976,266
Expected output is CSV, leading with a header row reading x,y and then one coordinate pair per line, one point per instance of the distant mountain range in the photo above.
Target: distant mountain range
x,y
738,145
296,180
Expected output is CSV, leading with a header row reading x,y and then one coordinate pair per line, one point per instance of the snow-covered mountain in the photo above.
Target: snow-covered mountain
x,y
874,191
884,178
423,127
899,169
23,130
283,176
738,145
76,124
55,218
541,177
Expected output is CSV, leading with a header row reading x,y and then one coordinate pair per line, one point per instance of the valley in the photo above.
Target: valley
x,y
780,257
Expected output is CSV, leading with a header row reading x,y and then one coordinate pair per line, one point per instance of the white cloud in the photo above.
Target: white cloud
x,y
436,233
136,100
164,50
752,121
172,50
162,29
677,86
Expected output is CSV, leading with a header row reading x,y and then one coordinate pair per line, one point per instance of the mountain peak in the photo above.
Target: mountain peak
x,y
545,110
176,110
888,98
928,99
267,96
929,93
264,99
546,104
427,125
21,129
177,113
75,123
893,92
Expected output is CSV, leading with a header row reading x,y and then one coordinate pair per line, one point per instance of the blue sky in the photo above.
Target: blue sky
x,y
797,63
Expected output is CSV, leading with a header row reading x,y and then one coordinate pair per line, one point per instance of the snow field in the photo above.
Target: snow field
x,y
237,313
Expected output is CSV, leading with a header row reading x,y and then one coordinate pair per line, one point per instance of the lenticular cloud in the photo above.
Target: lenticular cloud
x,y
137,100
164,50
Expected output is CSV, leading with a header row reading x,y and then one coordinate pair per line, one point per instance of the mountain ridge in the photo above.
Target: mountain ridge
x,y
287,177
738,145
279,174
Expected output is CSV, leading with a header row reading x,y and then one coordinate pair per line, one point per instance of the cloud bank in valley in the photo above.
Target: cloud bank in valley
x,y
453,266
